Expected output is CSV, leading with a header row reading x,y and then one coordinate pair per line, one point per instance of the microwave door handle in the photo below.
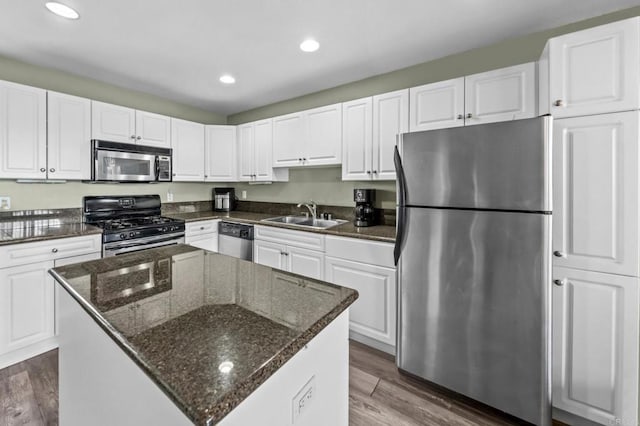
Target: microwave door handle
x,y
157,168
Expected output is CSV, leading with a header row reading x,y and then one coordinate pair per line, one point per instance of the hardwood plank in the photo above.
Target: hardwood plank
x,y
361,381
18,405
43,372
364,411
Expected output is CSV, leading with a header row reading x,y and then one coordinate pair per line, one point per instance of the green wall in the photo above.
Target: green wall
x,y
510,52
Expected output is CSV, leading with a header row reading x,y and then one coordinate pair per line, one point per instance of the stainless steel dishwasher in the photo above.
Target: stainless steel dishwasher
x,y
235,239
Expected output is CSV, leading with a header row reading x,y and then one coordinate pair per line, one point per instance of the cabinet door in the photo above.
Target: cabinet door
x,y
595,345
323,141
390,118
68,137
112,123
26,305
220,154
437,105
187,141
288,140
204,241
595,193
309,263
153,129
596,70
269,254
23,123
374,313
500,95
263,145
246,152
357,117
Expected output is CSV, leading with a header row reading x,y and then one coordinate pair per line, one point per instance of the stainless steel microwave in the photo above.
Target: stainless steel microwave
x,y
123,162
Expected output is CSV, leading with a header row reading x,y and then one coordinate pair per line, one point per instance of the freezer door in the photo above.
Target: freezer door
x,y
491,166
473,312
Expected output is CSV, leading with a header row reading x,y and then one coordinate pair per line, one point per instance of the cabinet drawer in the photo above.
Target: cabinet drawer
x,y
308,240
39,251
201,227
365,251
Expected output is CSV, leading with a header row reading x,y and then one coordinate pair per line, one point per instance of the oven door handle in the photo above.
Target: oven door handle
x,y
148,244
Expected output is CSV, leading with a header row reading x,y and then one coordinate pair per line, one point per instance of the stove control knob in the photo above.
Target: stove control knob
x,y
123,236
132,234
165,229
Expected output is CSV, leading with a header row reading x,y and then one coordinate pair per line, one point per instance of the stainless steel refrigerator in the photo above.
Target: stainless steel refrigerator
x,y
473,252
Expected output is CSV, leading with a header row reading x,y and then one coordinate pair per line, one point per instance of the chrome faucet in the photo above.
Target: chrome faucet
x,y
312,206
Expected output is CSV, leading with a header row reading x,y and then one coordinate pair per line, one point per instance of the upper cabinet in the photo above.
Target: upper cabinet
x,y
116,123
23,145
499,95
69,137
370,129
220,153
187,141
308,138
596,70
255,147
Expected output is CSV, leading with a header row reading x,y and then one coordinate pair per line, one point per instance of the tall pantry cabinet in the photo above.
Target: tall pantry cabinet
x,y
593,94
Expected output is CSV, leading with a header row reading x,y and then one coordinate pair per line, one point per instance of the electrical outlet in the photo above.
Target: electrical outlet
x,y
5,203
244,195
303,398
169,196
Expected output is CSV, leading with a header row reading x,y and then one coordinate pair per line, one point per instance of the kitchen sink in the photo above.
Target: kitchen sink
x,y
306,222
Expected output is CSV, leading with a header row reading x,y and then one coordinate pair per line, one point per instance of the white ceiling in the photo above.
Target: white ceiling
x,y
177,49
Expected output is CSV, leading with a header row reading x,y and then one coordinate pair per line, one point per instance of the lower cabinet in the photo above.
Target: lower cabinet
x,y
595,345
309,263
202,234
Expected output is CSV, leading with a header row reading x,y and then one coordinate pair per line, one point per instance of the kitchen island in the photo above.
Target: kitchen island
x,y
178,335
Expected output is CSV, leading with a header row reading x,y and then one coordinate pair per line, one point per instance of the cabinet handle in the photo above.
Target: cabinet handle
x,y
558,103
559,254
43,170
52,170
133,136
469,115
561,282
285,253
460,116
139,137
54,250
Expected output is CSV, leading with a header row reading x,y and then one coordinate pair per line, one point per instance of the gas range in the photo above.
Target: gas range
x,y
131,223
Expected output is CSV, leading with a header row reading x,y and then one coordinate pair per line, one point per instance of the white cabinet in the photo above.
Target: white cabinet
x,y
202,234
221,154
116,123
366,266
187,141
68,137
308,138
23,125
27,301
255,145
370,129
595,345
596,70
294,251
499,95
595,200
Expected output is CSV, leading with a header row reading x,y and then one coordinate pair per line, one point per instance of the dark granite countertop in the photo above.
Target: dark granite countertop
x,y
383,233
37,229
226,325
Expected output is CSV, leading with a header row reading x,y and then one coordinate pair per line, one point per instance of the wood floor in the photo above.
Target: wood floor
x,y
378,395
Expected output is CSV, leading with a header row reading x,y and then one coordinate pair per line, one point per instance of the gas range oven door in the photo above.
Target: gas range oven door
x,y
128,246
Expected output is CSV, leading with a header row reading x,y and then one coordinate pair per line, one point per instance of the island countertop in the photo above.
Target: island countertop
x,y
220,326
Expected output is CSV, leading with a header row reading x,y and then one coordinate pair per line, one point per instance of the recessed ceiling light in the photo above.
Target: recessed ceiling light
x,y
227,79
225,367
309,45
62,10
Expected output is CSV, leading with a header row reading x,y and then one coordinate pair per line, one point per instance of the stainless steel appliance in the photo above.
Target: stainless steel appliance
x,y
364,210
235,239
131,223
473,254
123,162
224,199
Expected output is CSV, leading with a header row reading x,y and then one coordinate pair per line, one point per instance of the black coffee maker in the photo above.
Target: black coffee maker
x,y
364,211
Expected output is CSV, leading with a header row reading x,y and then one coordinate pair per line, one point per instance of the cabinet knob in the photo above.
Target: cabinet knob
x,y
561,282
205,176
559,254
299,159
460,116
469,115
174,174
43,170
133,136
202,228
304,159
558,103
139,137
375,172
52,170
368,172
54,250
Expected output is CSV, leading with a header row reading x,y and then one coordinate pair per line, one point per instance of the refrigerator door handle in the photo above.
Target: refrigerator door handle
x,y
401,206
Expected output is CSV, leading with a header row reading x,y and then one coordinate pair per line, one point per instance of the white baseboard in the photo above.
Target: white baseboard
x,y
27,352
